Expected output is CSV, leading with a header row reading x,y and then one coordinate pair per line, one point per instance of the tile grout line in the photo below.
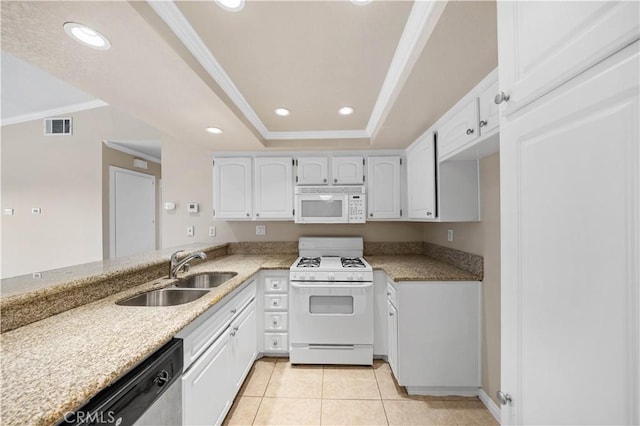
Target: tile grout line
x,y
255,415
384,409
321,394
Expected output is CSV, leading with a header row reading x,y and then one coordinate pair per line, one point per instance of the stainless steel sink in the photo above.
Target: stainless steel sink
x,y
205,280
163,297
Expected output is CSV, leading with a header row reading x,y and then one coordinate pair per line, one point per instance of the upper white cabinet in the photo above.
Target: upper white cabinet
x,y
312,170
421,179
273,183
384,187
348,170
232,195
458,129
574,36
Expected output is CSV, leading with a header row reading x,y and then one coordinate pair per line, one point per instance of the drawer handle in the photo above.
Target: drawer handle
x,y
233,311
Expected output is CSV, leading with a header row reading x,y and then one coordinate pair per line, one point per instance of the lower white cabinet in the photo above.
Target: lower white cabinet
x,y
219,351
434,336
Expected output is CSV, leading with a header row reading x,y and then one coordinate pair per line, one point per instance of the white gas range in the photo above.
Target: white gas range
x,y
331,303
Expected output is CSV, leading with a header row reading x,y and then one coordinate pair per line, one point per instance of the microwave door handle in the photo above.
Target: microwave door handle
x,y
354,285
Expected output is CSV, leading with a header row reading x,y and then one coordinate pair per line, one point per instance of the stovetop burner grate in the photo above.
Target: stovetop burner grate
x,y
352,262
309,262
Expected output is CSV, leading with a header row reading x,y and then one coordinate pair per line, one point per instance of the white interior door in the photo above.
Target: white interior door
x,y
132,212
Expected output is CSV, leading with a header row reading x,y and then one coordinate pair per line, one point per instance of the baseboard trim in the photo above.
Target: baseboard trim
x,y
491,406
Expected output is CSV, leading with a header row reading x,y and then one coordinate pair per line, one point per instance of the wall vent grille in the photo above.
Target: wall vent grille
x,y
57,126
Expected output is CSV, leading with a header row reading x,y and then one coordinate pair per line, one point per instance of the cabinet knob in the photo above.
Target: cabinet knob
x,y
388,293
233,333
275,343
483,123
390,314
503,398
335,181
233,311
247,214
469,131
428,213
370,214
324,180
257,214
501,97
235,328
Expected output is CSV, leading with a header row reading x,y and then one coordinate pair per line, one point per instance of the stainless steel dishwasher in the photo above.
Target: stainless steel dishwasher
x,y
149,395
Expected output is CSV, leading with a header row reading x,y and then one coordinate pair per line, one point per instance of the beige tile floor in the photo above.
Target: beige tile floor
x,y
277,393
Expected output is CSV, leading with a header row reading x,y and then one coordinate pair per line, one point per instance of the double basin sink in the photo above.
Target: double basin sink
x,y
184,291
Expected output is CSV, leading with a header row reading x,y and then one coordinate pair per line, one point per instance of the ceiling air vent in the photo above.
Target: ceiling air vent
x,y
57,126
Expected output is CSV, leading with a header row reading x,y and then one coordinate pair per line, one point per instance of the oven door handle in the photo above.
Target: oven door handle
x,y
354,285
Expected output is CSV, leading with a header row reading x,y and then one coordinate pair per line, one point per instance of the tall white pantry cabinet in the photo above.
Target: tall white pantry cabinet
x,y
570,216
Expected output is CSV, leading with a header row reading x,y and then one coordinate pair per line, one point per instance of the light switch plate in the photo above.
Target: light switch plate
x,y
212,231
261,230
8,212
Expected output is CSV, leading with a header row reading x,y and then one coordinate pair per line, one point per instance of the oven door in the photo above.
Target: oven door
x,y
322,208
329,313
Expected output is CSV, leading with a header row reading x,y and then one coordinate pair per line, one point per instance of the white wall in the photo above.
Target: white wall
x,y
62,176
187,175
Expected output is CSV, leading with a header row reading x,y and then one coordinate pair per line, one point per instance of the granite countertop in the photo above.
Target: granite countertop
x,y
418,267
52,366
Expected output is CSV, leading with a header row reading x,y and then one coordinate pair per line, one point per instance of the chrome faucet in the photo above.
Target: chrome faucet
x,y
176,266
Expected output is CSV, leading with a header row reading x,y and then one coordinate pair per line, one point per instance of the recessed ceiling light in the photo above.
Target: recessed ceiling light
x,y
360,2
282,112
87,36
214,130
347,110
231,5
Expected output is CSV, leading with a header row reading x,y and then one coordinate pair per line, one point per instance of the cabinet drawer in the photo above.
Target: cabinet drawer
x,y
392,294
275,302
276,342
276,285
276,321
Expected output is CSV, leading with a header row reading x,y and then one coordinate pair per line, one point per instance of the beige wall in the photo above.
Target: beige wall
x,y
482,238
112,157
61,175
188,177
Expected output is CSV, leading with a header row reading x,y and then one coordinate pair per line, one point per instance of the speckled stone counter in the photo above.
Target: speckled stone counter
x,y
419,268
52,366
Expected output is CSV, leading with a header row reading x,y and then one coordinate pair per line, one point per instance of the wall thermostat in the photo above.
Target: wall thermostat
x,y
169,206
193,208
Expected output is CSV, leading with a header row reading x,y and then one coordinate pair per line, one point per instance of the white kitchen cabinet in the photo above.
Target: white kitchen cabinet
x,y
421,178
275,335
242,343
219,349
273,187
544,44
569,267
458,129
232,188
207,387
435,335
347,170
312,170
384,187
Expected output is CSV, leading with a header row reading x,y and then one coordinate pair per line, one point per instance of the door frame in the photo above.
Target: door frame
x,y
112,206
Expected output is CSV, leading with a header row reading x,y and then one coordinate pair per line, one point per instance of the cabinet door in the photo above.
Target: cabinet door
x,y
232,188
575,146
242,342
312,171
488,110
421,180
392,333
207,388
273,183
347,170
459,129
544,44
383,187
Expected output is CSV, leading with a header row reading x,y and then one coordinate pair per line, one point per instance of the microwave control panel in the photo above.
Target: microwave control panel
x,y
357,212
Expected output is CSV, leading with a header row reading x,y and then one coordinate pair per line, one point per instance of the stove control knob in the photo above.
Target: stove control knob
x,y
359,277
312,277
331,277
350,277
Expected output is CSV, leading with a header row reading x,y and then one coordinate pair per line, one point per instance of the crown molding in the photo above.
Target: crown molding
x,y
68,109
420,24
118,147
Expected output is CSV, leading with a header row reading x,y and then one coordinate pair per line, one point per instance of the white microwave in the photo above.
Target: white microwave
x,y
330,204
